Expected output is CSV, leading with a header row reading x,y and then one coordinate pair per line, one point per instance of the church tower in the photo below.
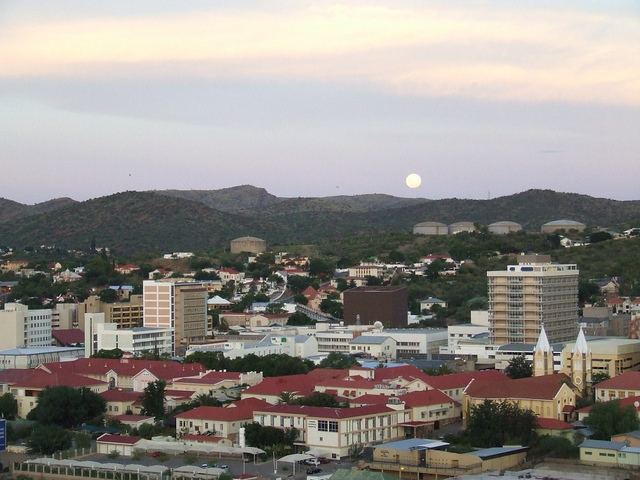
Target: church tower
x,y
581,363
542,355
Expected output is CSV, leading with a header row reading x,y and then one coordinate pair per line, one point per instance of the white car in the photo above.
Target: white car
x,y
312,461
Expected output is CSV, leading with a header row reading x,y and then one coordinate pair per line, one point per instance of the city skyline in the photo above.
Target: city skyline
x,y
316,99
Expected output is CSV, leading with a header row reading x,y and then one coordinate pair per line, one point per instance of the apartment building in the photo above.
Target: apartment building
x,y
414,342
22,327
137,341
124,314
334,341
64,316
533,292
334,431
179,306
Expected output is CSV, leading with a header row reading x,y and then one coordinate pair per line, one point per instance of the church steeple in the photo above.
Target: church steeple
x,y
581,362
542,355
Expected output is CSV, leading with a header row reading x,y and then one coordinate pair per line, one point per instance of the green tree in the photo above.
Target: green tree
x,y
492,424
321,267
332,307
264,436
610,418
8,406
318,399
338,360
600,236
67,407
274,308
299,319
598,377
287,398
108,295
301,299
519,367
341,284
48,439
153,399
147,430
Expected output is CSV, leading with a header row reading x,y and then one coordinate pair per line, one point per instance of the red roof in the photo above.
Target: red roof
x,y
545,387
628,380
40,379
230,270
68,336
119,395
624,402
310,293
553,424
122,439
14,375
241,410
326,412
302,384
179,393
127,367
462,379
424,398
408,372
370,399
210,378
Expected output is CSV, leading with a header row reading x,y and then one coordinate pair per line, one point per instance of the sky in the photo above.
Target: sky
x,y
315,98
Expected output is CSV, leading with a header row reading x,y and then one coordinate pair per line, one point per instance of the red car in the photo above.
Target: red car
x,y
155,454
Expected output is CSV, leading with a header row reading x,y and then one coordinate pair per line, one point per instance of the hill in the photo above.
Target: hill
x,y
130,222
134,222
10,210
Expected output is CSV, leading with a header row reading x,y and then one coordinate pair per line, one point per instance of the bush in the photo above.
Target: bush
x,y
113,454
559,447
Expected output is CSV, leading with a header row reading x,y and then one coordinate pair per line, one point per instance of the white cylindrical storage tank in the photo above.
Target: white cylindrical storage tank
x,y
430,228
504,227
459,227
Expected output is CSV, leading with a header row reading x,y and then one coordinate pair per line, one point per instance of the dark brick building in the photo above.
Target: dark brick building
x,y
388,305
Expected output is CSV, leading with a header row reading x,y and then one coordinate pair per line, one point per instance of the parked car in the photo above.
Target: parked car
x,y
312,461
311,471
204,465
223,466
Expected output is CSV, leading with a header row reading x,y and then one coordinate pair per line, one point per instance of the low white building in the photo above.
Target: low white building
x,y
379,347
456,333
366,270
34,356
334,341
137,341
414,342
301,346
428,303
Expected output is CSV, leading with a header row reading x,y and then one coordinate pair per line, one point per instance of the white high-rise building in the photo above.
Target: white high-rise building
x,y
22,327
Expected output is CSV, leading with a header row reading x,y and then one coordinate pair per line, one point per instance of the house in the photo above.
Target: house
x,y
212,380
631,439
68,337
121,402
381,348
454,384
218,303
428,303
334,431
555,427
127,268
228,274
625,402
123,444
271,388
66,276
609,453
548,396
627,384
222,422
135,421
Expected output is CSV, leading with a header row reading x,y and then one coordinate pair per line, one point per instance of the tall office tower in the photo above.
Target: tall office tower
x,y
22,327
533,292
367,305
180,306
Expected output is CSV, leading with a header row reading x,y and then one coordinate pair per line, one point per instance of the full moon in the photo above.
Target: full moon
x,y
413,180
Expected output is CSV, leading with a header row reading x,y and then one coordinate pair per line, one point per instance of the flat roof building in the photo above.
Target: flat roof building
x,y
367,305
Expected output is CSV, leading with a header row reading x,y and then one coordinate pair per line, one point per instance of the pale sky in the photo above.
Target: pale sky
x,y
310,98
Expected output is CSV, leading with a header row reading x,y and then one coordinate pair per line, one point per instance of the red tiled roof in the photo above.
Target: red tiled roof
x,y
545,387
241,410
122,439
370,399
624,402
553,424
310,293
424,398
326,412
42,379
405,371
229,270
165,370
68,336
628,380
14,375
119,395
179,393
302,384
462,379
210,378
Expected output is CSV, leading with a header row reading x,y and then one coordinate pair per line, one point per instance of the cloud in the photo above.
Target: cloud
x,y
511,53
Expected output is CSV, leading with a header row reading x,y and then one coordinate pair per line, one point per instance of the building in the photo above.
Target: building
x,y
248,245
562,226
222,422
428,303
430,228
504,227
64,316
271,388
207,383
334,432
548,396
414,342
465,331
366,270
136,341
367,305
34,356
625,385
610,454
631,439
123,314
178,306
610,356
380,348
24,328
68,337
425,458
533,292
123,444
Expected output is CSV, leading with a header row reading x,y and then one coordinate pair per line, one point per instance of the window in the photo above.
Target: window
x,y
333,426
323,426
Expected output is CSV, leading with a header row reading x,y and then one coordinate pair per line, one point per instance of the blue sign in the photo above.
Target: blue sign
x,y
3,435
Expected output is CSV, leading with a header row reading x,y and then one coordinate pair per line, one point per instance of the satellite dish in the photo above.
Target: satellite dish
x,y
636,404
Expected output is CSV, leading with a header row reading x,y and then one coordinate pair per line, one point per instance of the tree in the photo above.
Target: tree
x,y
113,353
265,436
67,407
108,295
610,418
338,360
492,424
274,308
318,399
8,406
321,267
519,367
207,400
598,377
286,398
299,319
153,399
373,281
48,439
600,236
332,307
341,284
301,299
